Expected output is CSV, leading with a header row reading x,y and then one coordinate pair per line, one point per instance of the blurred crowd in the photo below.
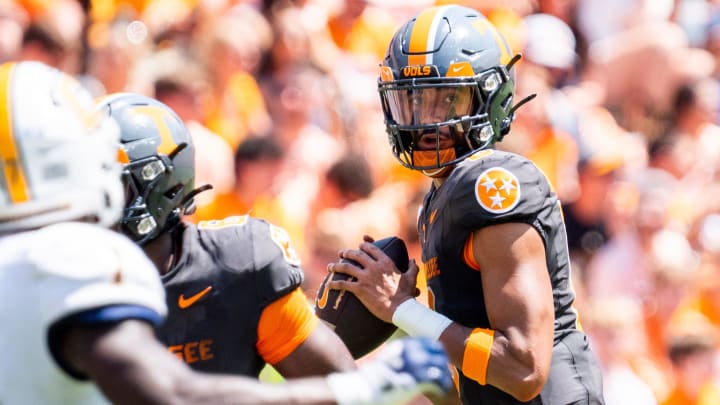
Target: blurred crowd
x,y
280,97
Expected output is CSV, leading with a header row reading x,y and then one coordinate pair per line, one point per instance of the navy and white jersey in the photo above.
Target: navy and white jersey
x,y
58,275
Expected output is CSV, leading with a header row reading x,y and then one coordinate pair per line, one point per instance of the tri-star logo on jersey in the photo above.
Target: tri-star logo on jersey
x,y
497,190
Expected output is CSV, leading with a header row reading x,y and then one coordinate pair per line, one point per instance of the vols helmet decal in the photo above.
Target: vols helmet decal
x,y
497,190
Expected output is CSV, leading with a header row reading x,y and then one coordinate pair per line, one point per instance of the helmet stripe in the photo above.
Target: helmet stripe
x,y
13,170
167,143
70,95
422,37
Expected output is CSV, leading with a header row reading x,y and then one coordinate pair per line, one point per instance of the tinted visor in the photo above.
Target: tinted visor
x,y
428,105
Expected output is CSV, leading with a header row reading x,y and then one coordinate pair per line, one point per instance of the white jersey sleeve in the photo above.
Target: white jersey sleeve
x,y
55,273
85,267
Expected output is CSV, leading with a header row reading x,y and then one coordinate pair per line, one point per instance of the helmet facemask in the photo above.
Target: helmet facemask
x,y
436,122
148,183
137,220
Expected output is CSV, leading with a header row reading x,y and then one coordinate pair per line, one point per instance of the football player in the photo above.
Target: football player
x,y
233,284
78,302
494,247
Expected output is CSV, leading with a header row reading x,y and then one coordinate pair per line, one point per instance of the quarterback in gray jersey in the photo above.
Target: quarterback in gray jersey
x,y
494,246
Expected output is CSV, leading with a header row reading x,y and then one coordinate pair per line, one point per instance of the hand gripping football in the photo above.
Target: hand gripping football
x,y
358,328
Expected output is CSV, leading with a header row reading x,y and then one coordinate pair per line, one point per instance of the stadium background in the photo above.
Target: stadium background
x,y
281,100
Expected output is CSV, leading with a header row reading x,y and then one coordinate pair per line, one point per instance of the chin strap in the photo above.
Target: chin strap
x,y
438,173
521,103
188,198
507,121
513,61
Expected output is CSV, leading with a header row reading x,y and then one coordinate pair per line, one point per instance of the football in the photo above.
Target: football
x,y
358,328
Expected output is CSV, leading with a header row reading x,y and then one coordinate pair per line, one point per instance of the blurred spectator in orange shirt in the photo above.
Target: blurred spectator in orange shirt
x,y
612,324
55,35
534,136
347,180
361,29
693,355
113,56
639,208
258,162
585,214
236,107
181,83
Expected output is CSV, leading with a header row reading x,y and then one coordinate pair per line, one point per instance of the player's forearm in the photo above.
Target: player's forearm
x,y
517,365
509,360
228,390
512,365
177,384
321,353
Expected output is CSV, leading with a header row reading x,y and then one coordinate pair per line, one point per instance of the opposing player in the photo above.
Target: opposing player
x,y
78,302
493,240
233,284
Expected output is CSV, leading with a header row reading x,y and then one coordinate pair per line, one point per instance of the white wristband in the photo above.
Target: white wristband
x,y
420,321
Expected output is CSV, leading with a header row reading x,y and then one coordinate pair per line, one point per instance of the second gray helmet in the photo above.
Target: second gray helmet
x,y
158,159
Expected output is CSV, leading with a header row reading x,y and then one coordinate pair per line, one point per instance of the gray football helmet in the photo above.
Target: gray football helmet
x,y
446,75
158,159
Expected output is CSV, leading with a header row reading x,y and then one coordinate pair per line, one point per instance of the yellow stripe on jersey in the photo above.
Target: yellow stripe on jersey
x,y
422,37
13,171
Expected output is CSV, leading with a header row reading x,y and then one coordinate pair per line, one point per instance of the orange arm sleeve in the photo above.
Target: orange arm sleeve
x,y
284,325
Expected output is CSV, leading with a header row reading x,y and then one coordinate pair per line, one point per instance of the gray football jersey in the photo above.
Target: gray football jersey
x,y
228,272
493,187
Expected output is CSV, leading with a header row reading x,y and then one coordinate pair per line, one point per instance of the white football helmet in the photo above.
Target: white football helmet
x,y
58,158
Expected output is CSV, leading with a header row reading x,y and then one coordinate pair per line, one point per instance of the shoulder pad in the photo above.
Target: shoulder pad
x,y
497,186
94,267
255,248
